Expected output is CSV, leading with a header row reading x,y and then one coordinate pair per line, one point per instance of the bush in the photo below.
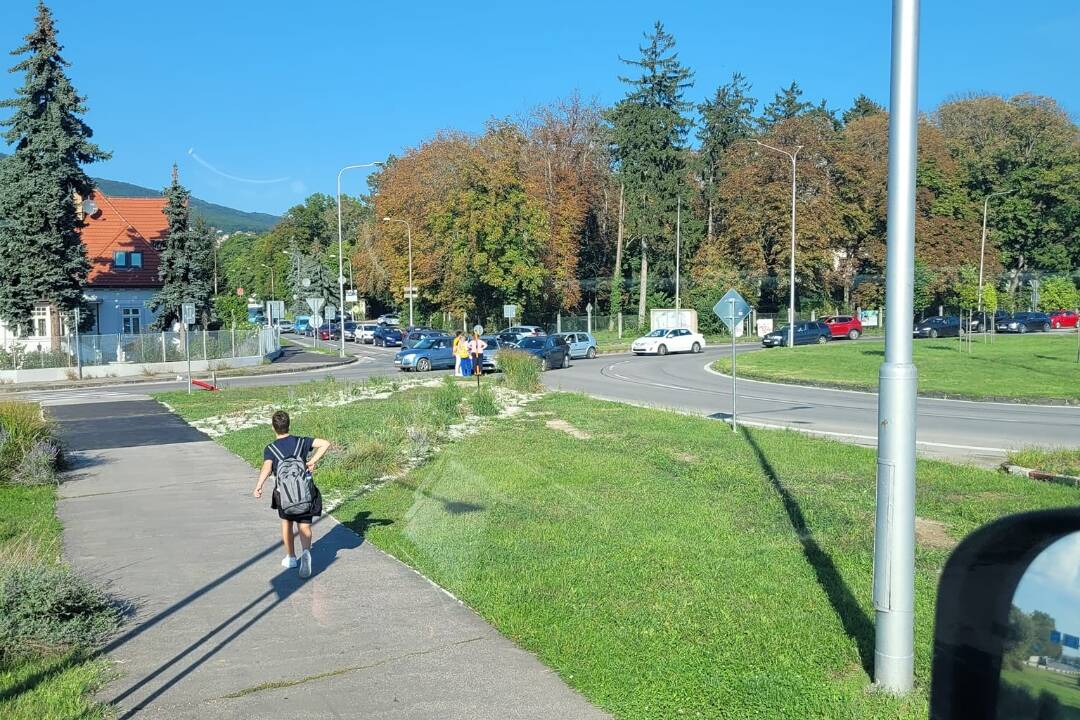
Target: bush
x,y
46,609
27,445
521,370
483,402
446,402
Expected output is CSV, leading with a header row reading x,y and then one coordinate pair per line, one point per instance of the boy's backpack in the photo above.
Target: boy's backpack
x,y
293,482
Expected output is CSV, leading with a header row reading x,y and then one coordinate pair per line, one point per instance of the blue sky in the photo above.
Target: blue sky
x,y
285,93
1052,584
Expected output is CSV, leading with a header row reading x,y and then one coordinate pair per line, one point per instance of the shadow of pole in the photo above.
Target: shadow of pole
x,y
856,622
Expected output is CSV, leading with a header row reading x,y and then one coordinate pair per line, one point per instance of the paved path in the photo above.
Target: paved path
x,y
222,631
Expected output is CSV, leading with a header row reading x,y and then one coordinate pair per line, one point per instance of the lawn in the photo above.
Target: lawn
x,y
1028,367
1058,462
662,565
45,687
1037,682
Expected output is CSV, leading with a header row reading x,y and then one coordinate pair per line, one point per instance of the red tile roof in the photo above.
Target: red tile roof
x,y
128,224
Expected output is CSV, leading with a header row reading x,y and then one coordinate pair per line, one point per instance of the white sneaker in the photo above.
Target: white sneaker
x,y
305,564
289,562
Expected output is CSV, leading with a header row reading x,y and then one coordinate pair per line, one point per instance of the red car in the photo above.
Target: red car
x,y
844,326
1063,319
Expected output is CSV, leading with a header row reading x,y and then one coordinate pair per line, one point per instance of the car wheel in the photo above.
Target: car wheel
x,y
591,354
662,350
423,365
822,340
1057,325
853,335
565,361
1046,327
696,348
933,333
1023,329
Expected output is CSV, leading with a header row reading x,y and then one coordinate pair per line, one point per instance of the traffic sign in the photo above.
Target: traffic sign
x,y
187,310
510,311
350,296
316,304
478,329
588,308
275,309
732,309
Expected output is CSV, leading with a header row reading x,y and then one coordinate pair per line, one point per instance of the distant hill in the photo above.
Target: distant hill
x,y
223,218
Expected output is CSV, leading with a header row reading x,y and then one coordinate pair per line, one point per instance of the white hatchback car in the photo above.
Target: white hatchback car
x,y
662,341
365,333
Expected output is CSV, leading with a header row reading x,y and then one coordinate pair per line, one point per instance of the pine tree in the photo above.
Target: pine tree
x,y
42,257
648,137
725,120
786,105
186,262
321,282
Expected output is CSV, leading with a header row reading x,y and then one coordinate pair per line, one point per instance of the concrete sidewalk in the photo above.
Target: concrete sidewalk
x,y
221,630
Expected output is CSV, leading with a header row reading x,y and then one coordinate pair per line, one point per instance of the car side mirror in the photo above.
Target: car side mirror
x,y
1007,626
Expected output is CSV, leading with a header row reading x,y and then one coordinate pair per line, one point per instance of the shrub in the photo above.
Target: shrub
x,y
483,402
46,609
521,370
446,402
22,431
38,465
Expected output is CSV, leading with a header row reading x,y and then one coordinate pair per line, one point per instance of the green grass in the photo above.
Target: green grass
x,y
1058,462
1063,687
1029,367
44,687
664,566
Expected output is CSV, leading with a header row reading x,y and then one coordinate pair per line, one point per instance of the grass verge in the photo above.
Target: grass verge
x,y
1013,367
662,565
1058,462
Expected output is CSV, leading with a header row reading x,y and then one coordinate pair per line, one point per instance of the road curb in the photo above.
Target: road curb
x,y
1040,475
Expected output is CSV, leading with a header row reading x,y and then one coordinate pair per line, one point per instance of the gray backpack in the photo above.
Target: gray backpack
x,y
294,485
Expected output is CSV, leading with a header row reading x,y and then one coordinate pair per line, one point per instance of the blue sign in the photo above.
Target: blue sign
x,y
1055,637
732,309
1070,641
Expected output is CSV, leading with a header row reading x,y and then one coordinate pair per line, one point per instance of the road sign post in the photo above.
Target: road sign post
x,y
316,305
588,314
732,309
187,316
509,312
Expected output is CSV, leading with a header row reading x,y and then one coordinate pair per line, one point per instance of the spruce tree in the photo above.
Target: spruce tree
x,y
786,105
648,138
726,119
862,107
186,261
42,257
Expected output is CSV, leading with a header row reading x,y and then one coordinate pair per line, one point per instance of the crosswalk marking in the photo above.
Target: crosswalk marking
x,y
78,397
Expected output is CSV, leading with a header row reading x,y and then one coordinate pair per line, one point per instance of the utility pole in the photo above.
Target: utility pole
x,y
894,532
982,245
341,253
791,294
412,291
678,253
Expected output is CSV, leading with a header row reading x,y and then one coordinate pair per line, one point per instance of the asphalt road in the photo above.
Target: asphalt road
x,y
974,431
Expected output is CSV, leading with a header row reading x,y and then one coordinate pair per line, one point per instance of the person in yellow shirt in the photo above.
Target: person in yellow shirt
x,y
458,339
461,352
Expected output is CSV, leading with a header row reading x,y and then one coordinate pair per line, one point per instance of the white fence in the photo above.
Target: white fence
x,y
70,356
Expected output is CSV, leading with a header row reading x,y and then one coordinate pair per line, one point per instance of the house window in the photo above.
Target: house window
x,y
131,320
135,259
40,321
120,259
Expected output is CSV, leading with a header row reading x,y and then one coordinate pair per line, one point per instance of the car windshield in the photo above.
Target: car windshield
x,y
531,343
425,344
657,333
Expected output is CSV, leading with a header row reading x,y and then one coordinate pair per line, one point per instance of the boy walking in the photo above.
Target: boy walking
x,y
286,452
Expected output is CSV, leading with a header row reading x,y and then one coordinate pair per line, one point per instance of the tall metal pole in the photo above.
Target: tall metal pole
x,y
982,245
341,255
791,294
894,533
678,244
411,292
734,392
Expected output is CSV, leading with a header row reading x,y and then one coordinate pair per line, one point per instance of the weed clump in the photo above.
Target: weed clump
x,y
521,370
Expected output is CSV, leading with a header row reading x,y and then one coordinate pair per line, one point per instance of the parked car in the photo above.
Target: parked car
x,y
551,349
938,326
663,340
350,330
328,331
365,333
525,330
430,353
582,344
388,319
1064,319
285,326
981,321
415,336
806,333
302,325
1022,322
508,338
494,344
386,336
844,326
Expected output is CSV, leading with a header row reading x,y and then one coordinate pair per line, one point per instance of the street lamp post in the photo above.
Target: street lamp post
x,y
411,291
273,295
340,251
982,245
791,298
